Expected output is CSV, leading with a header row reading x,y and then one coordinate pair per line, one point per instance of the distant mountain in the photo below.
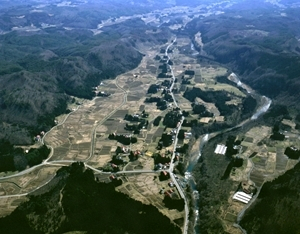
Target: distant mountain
x,y
74,201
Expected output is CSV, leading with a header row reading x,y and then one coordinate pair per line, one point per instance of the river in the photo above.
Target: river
x,y
265,104
195,52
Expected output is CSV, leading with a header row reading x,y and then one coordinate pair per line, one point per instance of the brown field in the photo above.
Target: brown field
x,y
27,183
145,188
72,138
268,163
8,205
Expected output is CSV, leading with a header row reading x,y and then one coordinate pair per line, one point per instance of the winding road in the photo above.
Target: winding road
x,y
64,162
60,163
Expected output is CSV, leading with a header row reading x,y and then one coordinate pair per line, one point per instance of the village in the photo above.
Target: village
x,y
138,134
142,142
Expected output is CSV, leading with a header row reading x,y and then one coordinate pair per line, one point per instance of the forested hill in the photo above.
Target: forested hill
x,y
39,72
259,42
276,208
74,201
46,58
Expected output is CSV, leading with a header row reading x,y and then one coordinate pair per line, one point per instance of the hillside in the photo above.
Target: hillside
x,y
74,201
259,42
44,63
275,208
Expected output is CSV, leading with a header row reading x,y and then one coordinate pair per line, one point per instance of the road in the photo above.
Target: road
x,y
107,117
43,138
171,168
67,162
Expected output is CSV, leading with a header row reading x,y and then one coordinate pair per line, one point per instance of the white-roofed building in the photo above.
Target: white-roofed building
x,y
242,197
220,149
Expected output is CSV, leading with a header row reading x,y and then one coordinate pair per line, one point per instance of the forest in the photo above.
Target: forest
x,y
15,159
267,63
87,206
217,97
275,208
40,70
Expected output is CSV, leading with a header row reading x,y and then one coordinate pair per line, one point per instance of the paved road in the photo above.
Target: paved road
x,y
43,138
63,162
171,168
107,117
16,195
22,172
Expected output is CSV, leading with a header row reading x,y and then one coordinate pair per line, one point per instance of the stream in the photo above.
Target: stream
x,y
195,52
264,106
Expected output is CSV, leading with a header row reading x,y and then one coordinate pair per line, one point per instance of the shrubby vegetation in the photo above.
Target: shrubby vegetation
x,y
181,134
292,153
276,113
213,191
177,204
171,119
168,97
235,162
187,123
183,149
135,128
125,140
225,80
158,158
157,120
160,103
297,121
277,136
153,88
248,106
165,140
201,110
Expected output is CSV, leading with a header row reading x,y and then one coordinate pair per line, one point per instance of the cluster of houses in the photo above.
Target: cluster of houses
x,y
164,175
170,193
161,166
124,135
38,138
125,149
110,167
134,155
